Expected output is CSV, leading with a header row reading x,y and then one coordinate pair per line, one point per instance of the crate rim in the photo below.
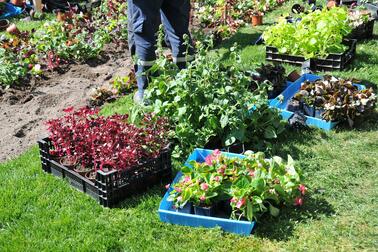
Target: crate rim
x,y
167,149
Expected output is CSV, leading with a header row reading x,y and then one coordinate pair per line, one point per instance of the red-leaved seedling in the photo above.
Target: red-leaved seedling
x,y
107,143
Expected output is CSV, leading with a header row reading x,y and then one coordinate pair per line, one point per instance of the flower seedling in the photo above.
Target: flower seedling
x,y
251,186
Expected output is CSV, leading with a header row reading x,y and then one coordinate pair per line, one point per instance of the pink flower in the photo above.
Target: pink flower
x,y
213,156
167,186
179,199
217,178
204,186
222,169
217,152
240,203
177,189
187,179
202,198
233,200
298,201
209,160
302,189
252,173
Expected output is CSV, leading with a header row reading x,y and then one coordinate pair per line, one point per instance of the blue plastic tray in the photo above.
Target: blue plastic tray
x,y
291,90
169,215
11,11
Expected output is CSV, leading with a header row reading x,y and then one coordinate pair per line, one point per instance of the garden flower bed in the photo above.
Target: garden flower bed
x,y
230,190
61,42
107,158
220,20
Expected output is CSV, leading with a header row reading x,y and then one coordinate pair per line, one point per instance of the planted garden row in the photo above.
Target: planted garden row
x,y
221,19
74,37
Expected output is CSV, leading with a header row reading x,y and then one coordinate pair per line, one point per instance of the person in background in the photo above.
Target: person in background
x,y
144,17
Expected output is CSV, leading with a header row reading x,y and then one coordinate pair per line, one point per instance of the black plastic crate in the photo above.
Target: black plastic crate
x,y
334,61
364,31
111,187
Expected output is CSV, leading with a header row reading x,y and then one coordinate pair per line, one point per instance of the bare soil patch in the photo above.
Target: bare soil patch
x,y
24,110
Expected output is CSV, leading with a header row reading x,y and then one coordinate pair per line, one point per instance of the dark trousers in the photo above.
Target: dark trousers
x,y
145,16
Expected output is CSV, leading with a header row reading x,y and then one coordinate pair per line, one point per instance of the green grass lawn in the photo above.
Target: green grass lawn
x,y
41,212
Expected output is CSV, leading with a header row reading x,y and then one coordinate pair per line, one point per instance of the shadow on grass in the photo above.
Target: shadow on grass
x,y
243,39
281,228
363,124
141,196
290,140
363,59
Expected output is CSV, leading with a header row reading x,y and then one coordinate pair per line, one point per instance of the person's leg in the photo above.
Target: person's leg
x,y
130,29
176,15
144,20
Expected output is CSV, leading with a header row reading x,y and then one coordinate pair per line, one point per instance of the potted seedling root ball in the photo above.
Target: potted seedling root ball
x,y
82,169
293,76
68,161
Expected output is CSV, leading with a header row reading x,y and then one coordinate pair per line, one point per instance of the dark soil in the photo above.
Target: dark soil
x,y
24,110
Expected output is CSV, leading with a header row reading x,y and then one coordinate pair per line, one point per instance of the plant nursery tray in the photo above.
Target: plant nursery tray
x,y
168,214
111,187
334,61
289,93
364,31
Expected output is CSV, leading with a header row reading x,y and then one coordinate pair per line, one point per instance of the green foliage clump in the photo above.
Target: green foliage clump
x,y
316,35
10,70
210,100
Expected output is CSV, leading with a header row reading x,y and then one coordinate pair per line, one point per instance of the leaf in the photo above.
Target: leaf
x,y
230,141
181,111
270,133
273,210
224,121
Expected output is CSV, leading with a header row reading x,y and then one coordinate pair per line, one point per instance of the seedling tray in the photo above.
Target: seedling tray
x,y
290,91
110,187
364,31
333,61
168,214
